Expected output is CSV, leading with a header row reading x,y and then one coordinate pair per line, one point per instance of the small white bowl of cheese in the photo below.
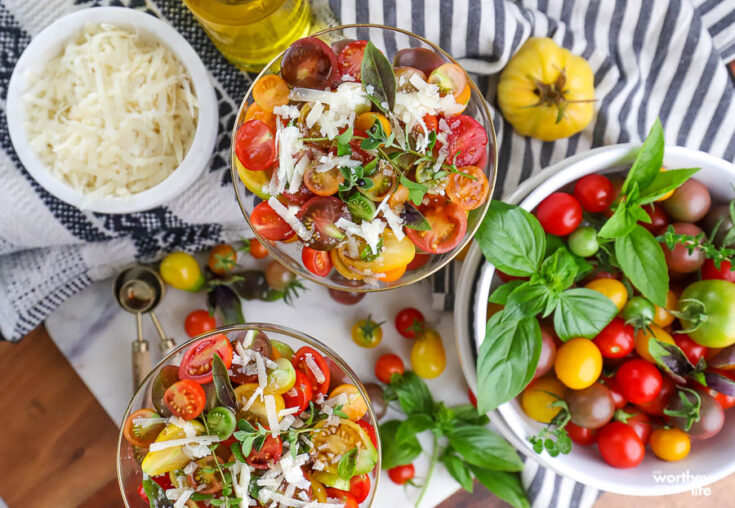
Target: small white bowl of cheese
x,y
112,111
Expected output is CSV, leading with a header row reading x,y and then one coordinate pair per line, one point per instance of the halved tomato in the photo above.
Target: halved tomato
x,y
256,412
270,91
466,140
365,121
268,224
297,198
138,432
205,478
370,430
342,268
419,260
393,275
450,78
317,262
403,78
268,454
301,393
319,215
323,183
185,399
448,226
255,145
255,112
197,362
353,404
313,365
468,188
350,59
254,181
309,63
395,254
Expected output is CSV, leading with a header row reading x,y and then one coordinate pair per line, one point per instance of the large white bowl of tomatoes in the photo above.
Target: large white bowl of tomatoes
x,y
636,411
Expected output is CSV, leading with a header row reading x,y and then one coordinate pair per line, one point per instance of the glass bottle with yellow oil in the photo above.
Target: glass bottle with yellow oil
x,y
250,33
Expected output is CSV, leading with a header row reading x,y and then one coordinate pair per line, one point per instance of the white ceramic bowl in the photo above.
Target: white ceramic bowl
x,y
709,460
49,43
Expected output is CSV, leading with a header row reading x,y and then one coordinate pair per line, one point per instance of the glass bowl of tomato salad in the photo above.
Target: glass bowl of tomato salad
x,y
364,158
252,412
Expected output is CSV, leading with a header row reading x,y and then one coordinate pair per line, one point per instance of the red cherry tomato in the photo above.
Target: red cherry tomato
x,y
616,340
268,224
197,362
639,381
319,215
268,455
360,487
349,499
185,399
658,404
346,297
419,260
387,365
406,321
659,218
199,322
620,446
448,224
350,59
724,272
580,435
300,395
694,351
594,192
402,474
726,401
639,421
370,431
317,262
618,398
297,198
466,140
255,145
301,362
559,213
257,250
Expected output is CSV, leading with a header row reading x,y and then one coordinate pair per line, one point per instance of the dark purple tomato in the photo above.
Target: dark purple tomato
x,y
403,78
591,407
309,63
719,214
548,354
338,46
422,59
711,415
377,400
346,297
689,203
319,215
680,260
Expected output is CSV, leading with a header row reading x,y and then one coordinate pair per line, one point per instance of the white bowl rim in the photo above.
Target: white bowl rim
x,y
544,183
48,42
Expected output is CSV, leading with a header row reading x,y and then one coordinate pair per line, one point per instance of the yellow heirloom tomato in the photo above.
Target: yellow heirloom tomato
x,y
546,92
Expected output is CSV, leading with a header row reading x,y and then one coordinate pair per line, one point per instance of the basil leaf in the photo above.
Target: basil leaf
x,y
720,383
414,424
156,497
500,295
642,260
511,239
665,181
394,454
507,486
347,464
467,413
227,302
582,313
648,161
414,219
528,300
343,149
370,144
671,358
222,385
458,469
378,77
620,224
559,270
584,267
507,359
482,447
345,137
413,394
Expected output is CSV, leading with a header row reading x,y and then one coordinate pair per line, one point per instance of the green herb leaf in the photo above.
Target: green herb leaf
x,y
200,497
691,403
582,313
484,448
156,497
642,260
432,141
347,464
468,414
413,394
413,219
414,424
416,191
377,73
507,486
671,358
458,469
528,300
343,149
559,270
511,239
393,453
222,385
648,161
247,445
664,182
507,359
620,224
500,295
345,137
236,450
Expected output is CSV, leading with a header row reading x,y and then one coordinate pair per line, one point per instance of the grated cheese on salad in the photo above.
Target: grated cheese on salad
x,y
290,217
172,443
314,368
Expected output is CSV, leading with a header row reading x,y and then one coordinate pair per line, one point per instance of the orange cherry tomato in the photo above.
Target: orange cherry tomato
x,y
255,112
469,188
270,91
138,434
322,184
365,121
394,274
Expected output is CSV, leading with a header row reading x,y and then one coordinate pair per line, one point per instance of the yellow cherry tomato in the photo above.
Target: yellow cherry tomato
x,y
670,444
254,180
256,412
365,121
318,490
367,333
578,363
612,288
662,316
342,268
392,275
181,271
169,459
428,358
643,337
537,399
353,405
395,254
547,92
668,194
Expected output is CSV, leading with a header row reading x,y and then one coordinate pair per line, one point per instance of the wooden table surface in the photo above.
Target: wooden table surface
x,y
57,445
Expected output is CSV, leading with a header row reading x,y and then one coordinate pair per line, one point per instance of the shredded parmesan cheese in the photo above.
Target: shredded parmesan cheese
x,y
270,411
201,440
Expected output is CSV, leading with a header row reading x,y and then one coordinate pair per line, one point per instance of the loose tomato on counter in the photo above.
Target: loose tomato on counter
x,y
388,365
428,358
198,322
402,474
181,271
408,321
367,333
222,259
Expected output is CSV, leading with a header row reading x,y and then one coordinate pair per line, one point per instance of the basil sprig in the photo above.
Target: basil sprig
x,y
378,78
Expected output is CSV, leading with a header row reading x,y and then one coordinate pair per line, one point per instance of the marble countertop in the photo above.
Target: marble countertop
x,y
95,335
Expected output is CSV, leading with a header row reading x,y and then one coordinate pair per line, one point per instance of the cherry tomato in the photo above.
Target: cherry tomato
x,y
268,455
222,259
594,193
387,365
694,351
348,499
255,145
360,487
690,202
369,430
142,494
660,402
583,242
345,297
617,396
467,193
428,358
355,405
466,140
662,315
616,340
167,376
422,59
643,338
581,435
450,78
317,262
578,363
408,320
297,198
270,91
547,356
724,272
197,362
419,260
659,218
537,399
679,259
402,474
726,401
639,381
257,250
255,112
300,395
612,288
670,444
365,121
268,224
367,333
205,479
711,415
448,224
138,434
185,399
350,60
471,396
403,84
309,63
181,271
619,445
591,407
319,216
559,213
302,360
637,419
323,183
199,322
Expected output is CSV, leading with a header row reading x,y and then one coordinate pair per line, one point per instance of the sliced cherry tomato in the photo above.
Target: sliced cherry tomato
x,y
205,478
309,361
616,340
270,91
360,487
594,192
222,259
323,183
350,59
300,395
348,499
317,262
724,272
581,435
392,275
255,145
466,140
450,78
257,250
255,112
620,446
309,63
419,260
639,381
369,430
268,455
422,59
142,434
448,224
402,474
268,224
365,122
357,152
297,198
387,365
407,321
185,399
468,188
354,405
403,79
197,362
559,213
199,322
319,216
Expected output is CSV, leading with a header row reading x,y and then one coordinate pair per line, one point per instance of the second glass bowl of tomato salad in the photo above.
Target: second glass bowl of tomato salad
x,y
363,158
252,412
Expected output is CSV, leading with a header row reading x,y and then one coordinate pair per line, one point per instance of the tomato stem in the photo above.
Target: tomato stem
x,y
432,464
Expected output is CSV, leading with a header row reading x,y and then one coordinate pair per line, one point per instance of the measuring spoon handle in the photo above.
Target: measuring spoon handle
x,y
141,362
